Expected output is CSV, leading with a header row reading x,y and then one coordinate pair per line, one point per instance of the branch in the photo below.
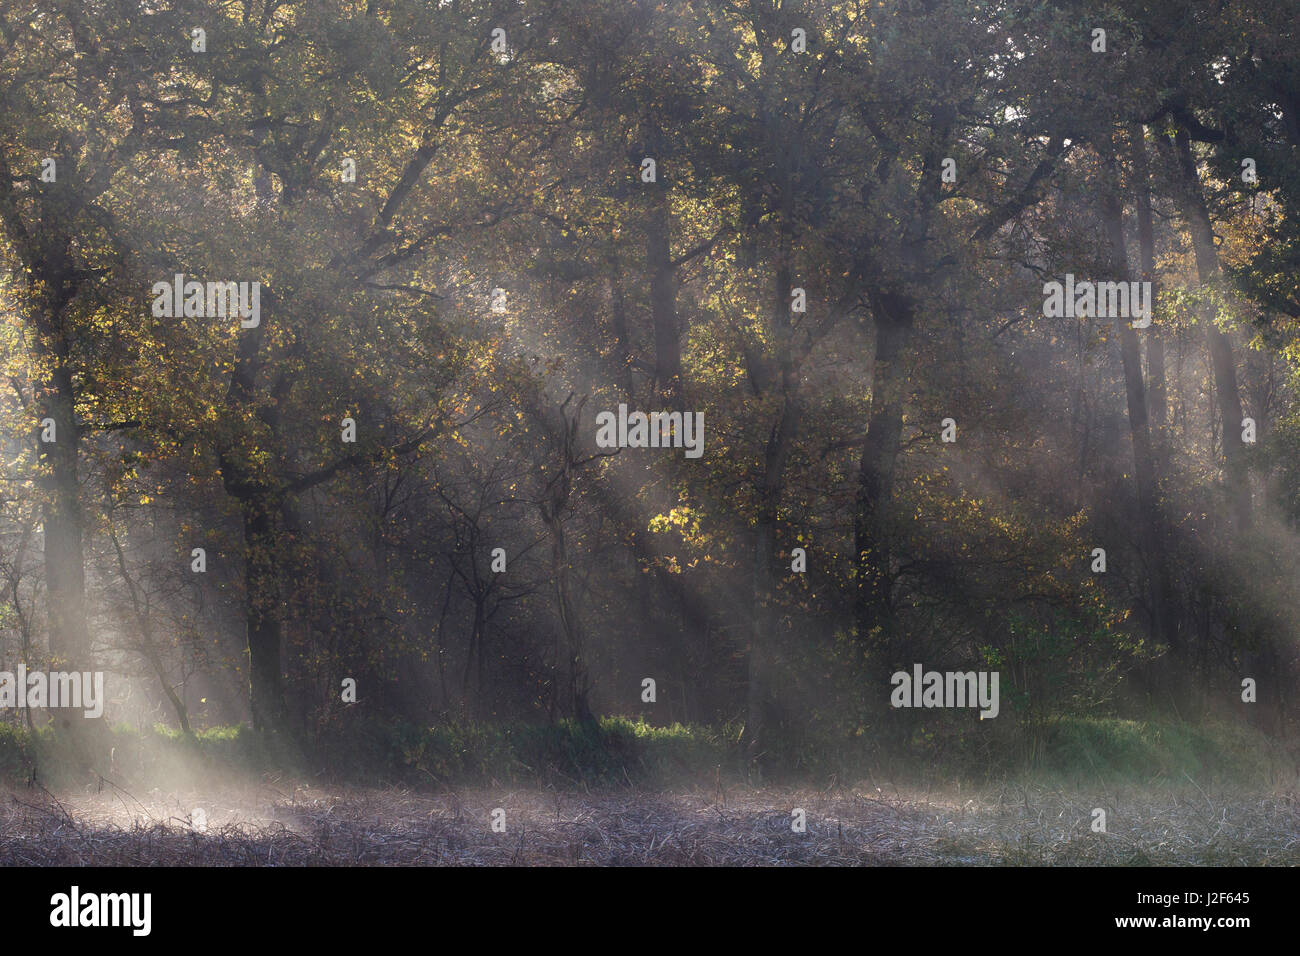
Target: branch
x,y
321,475
1027,196
109,426
700,249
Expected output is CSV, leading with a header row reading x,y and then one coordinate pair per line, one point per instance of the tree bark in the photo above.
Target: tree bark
x,y
1152,537
894,322
552,505
1226,390
47,254
262,610
663,301
623,344
65,576
1157,393
770,486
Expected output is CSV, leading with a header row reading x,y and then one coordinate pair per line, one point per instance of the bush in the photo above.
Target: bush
x,y
617,751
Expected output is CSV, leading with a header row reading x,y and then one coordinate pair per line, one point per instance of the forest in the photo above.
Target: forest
x,y
700,401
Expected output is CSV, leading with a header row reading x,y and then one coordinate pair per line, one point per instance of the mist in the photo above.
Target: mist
x,y
680,433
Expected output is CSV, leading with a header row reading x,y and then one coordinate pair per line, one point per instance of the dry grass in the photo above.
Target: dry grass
x,y
281,823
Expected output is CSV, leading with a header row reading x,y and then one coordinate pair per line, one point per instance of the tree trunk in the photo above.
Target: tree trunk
x,y
770,485
474,659
47,254
56,399
1157,393
763,625
579,681
894,320
1152,537
262,611
663,301
1226,390
622,337
65,577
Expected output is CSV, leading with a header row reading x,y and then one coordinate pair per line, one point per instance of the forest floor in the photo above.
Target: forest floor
x,y
283,823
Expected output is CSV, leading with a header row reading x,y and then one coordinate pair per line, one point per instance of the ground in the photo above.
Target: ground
x,y
280,822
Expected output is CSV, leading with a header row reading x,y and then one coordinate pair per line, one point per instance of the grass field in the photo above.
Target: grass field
x,y
623,793
279,822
